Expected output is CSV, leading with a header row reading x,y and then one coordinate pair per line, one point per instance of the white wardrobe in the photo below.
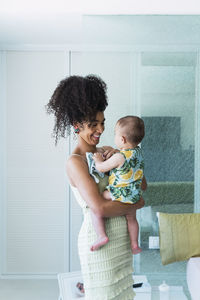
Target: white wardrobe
x,y
40,219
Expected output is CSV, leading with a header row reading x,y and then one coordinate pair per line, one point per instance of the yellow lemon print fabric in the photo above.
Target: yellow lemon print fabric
x,y
125,182
138,174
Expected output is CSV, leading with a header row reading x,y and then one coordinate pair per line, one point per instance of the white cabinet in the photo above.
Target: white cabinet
x,y
35,230
41,218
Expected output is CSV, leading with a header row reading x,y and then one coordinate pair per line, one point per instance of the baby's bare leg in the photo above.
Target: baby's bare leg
x,y
133,229
99,227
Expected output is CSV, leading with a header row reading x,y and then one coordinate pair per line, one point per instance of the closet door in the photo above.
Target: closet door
x,y
168,106
35,207
116,70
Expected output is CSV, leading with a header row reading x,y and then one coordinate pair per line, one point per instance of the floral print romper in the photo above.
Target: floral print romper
x,y
125,182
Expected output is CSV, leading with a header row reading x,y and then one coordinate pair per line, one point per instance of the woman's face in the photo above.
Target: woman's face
x,y
91,131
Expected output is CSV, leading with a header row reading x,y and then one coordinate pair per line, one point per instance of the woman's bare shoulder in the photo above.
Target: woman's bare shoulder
x,y
76,160
76,167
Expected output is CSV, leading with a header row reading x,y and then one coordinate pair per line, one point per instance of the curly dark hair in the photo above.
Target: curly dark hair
x,y
76,99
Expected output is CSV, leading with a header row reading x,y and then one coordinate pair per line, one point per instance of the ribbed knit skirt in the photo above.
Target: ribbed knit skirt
x,y
107,272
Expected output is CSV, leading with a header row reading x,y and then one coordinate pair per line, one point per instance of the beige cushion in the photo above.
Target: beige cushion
x,y
179,236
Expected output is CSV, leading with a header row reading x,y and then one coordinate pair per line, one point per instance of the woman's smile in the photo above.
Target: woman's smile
x,y
96,136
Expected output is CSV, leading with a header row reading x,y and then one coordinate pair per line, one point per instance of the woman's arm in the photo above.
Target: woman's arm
x,y
79,176
144,184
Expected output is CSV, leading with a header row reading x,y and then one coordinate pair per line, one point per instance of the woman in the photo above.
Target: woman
x,y
107,273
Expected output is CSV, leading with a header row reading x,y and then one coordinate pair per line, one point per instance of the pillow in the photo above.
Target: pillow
x,y
179,236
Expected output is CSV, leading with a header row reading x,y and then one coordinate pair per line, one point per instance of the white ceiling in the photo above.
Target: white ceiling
x,y
102,7
100,22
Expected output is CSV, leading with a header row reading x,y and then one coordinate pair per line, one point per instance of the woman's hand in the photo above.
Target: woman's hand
x,y
109,151
144,184
98,157
139,204
136,206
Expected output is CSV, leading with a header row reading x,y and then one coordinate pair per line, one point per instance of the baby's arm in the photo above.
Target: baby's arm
x,y
115,161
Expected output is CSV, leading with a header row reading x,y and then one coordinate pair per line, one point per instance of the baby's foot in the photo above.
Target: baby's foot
x,y
99,243
136,250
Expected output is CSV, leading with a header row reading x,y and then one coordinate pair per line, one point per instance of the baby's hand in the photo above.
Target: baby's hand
x,y
98,157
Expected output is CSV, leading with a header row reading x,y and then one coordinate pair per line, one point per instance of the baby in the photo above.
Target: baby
x,y
126,179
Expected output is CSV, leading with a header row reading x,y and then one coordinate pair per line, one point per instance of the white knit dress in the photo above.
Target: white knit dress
x,y
107,272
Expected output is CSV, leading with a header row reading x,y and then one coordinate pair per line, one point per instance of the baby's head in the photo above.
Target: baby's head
x,y
130,131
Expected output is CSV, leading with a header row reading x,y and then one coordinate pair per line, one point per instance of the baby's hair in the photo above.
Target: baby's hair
x,y
76,99
133,128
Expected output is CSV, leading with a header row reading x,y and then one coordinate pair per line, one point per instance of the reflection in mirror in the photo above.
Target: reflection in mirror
x,y
167,104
